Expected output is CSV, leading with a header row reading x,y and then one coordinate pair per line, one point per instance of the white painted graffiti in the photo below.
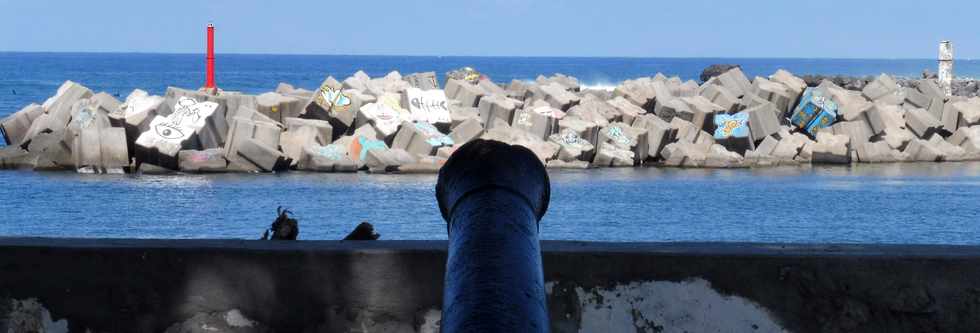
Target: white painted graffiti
x,y
433,136
331,152
385,117
188,117
616,134
333,100
429,106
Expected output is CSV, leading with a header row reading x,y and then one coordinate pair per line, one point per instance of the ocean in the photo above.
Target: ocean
x,y
897,203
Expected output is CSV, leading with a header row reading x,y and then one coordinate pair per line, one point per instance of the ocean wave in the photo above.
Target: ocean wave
x,y
598,86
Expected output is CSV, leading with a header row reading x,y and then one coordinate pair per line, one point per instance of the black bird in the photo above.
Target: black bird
x,y
363,232
284,227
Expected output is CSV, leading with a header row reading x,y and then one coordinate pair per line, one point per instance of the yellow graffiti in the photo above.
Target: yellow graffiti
x,y
275,109
730,125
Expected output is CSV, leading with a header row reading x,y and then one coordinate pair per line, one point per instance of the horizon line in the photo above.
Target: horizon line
x,y
460,56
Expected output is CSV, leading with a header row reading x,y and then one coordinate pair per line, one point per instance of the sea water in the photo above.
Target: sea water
x,y
928,203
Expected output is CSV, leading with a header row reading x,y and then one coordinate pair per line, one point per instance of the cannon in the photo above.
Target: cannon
x,y
492,196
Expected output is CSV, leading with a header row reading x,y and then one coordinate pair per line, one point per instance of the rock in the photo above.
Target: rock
x,y
230,321
329,158
816,111
573,146
732,132
168,135
497,106
420,138
14,128
468,94
466,131
831,149
922,123
466,74
427,105
716,70
203,161
424,81
364,231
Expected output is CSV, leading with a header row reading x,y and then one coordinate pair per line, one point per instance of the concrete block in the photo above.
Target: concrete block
x,y
735,81
293,142
14,127
466,131
573,146
608,155
922,123
490,88
917,99
279,107
384,117
794,84
540,121
166,136
931,89
626,137
720,95
427,105
816,110
831,149
556,95
381,161
265,157
466,93
424,81
596,111
585,129
215,130
329,158
658,134
883,89
570,83
732,132
59,105
203,161
339,107
497,106
627,110
115,151
684,154
358,81
923,151
763,121
857,130
776,93
324,132
360,145
700,112
420,138
719,157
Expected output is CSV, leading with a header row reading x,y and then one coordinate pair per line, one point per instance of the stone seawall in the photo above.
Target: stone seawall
x,y
251,286
412,123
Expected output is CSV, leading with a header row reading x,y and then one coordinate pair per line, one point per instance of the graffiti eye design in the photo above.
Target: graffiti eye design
x,y
168,131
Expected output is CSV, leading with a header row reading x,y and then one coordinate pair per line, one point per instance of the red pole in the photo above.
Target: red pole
x,y
210,74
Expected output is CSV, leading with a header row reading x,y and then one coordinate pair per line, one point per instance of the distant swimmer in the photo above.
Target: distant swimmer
x,y
13,91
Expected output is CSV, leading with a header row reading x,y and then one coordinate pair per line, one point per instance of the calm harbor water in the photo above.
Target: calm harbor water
x,y
929,203
913,203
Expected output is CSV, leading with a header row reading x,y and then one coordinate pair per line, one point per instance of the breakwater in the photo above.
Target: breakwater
x,y
413,123
251,286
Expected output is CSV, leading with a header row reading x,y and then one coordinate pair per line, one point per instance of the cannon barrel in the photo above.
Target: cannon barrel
x,y
492,196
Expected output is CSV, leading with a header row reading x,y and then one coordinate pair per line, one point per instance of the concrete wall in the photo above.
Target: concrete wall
x,y
61,285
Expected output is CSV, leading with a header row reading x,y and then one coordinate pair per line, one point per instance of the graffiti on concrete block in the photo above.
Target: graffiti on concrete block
x,y
189,116
332,99
731,126
331,152
815,111
384,117
433,136
617,135
429,106
362,145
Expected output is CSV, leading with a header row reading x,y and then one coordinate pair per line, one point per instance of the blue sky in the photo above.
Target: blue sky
x,y
610,28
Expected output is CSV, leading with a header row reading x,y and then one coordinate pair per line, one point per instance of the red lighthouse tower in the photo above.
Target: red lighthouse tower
x,y
209,83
